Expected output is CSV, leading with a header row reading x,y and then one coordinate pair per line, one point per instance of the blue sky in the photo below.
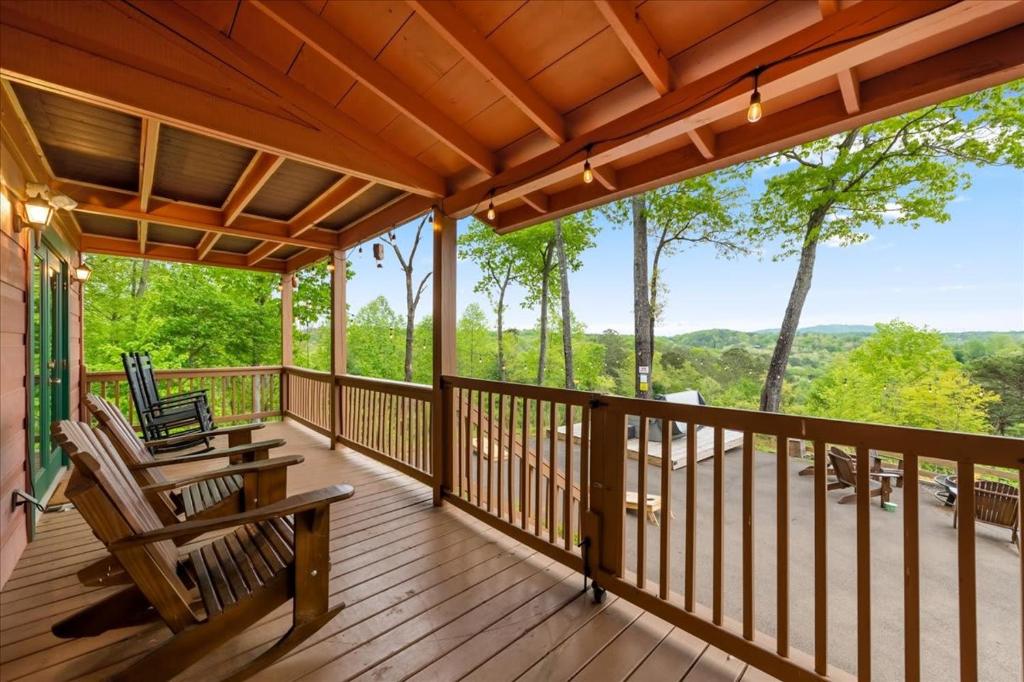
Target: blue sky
x,y
966,274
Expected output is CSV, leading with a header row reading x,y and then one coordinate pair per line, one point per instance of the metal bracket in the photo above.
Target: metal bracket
x,y
20,497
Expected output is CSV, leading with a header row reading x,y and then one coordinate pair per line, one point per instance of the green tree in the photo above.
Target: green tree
x,y
374,341
1003,375
900,171
496,258
413,290
473,344
902,375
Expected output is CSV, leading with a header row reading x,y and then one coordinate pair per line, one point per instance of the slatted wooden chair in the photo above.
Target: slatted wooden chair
x,y
997,504
184,416
212,593
844,468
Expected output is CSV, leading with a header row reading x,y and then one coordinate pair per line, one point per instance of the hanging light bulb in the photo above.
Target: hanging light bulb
x,y
491,213
330,266
360,248
391,236
588,174
754,111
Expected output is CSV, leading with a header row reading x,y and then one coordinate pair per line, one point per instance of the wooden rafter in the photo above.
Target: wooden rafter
x,y
149,141
126,205
261,251
474,48
638,41
703,139
983,63
726,91
214,99
304,258
848,83
259,170
346,55
114,246
538,201
607,177
344,191
205,244
404,209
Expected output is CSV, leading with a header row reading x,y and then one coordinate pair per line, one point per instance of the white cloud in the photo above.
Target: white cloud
x,y
839,241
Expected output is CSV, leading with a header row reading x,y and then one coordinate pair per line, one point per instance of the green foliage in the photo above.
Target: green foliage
x,y
902,375
376,341
1003,374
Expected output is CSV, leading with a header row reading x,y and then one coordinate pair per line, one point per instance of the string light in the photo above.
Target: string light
x,y
330,267
754,111
491,213
588,174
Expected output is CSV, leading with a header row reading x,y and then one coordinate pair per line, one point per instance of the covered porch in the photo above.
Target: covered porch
x,y
272,136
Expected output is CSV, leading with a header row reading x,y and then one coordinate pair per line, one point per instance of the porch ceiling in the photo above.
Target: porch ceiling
x,y
317,126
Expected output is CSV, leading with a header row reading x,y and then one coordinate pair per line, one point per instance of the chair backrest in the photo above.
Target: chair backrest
x,y
996,503
119,430
111,502
843,466
144,363
131,373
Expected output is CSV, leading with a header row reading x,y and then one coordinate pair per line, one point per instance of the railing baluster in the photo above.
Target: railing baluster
x,y
691,512
500,452
539,428
469,444
552,470
966,568
511,452
666,507
782,542
479,444
490,450
820,559
585,458
524,498
911,587
567,488
864,565
748,535
641,504
718,522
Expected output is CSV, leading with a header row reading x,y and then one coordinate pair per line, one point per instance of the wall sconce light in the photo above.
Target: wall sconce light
x,y
82,273
37,211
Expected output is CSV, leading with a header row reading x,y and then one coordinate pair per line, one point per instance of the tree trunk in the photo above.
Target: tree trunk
x,y
642,323
771,395
545,285
563,269
410,322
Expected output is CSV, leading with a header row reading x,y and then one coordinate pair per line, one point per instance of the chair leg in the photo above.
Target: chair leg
x,y
298,633
119,610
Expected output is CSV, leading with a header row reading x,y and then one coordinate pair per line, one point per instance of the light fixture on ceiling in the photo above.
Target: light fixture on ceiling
x,y
82,273
491,213
754,111
588,173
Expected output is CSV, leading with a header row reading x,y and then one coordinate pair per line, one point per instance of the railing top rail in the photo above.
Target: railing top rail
x,y
408,389
308,373
950,445
187,372
558,395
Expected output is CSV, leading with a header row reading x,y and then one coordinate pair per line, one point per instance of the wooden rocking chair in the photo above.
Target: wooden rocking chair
x,y
844,468
274,554
184,416
253,479
997,504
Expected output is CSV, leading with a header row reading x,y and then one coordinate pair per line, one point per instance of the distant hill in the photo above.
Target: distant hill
x,y
828,329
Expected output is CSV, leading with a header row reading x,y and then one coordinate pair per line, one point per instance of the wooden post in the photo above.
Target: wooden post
x,y
339,342
445,233
286,337
607,486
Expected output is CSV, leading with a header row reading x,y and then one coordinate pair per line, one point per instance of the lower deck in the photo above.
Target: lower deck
x,y
430,594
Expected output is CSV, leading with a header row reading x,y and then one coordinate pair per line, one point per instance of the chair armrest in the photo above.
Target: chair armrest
x,y
247,468
174,440
213,454
291,505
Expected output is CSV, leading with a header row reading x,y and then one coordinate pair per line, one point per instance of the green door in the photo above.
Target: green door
x,y
49,368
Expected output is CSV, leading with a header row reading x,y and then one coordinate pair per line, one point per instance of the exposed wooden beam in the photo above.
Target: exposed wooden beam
x,y
833,43
261,251
249,183
981,64
638,41
336,48
143,236
368,227
81,52
703,139
344,191
126,205
538,201
607,177
114,246
150,139
304,258
474,48
848,83
205,244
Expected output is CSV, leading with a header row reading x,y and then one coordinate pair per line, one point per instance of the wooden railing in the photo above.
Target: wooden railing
x,y
611,462
306,396
234,393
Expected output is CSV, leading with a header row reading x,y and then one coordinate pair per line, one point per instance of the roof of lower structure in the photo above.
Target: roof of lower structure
x,y
262,134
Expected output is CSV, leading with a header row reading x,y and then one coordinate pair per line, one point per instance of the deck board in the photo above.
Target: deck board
x,y
430,594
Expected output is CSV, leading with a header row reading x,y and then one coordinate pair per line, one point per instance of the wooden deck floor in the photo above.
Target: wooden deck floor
x,y
430,594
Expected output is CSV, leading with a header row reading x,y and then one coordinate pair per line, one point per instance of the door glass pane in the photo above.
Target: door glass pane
x,y
36,384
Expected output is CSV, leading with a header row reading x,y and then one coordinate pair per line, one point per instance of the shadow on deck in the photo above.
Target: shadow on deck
x,y
431,593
